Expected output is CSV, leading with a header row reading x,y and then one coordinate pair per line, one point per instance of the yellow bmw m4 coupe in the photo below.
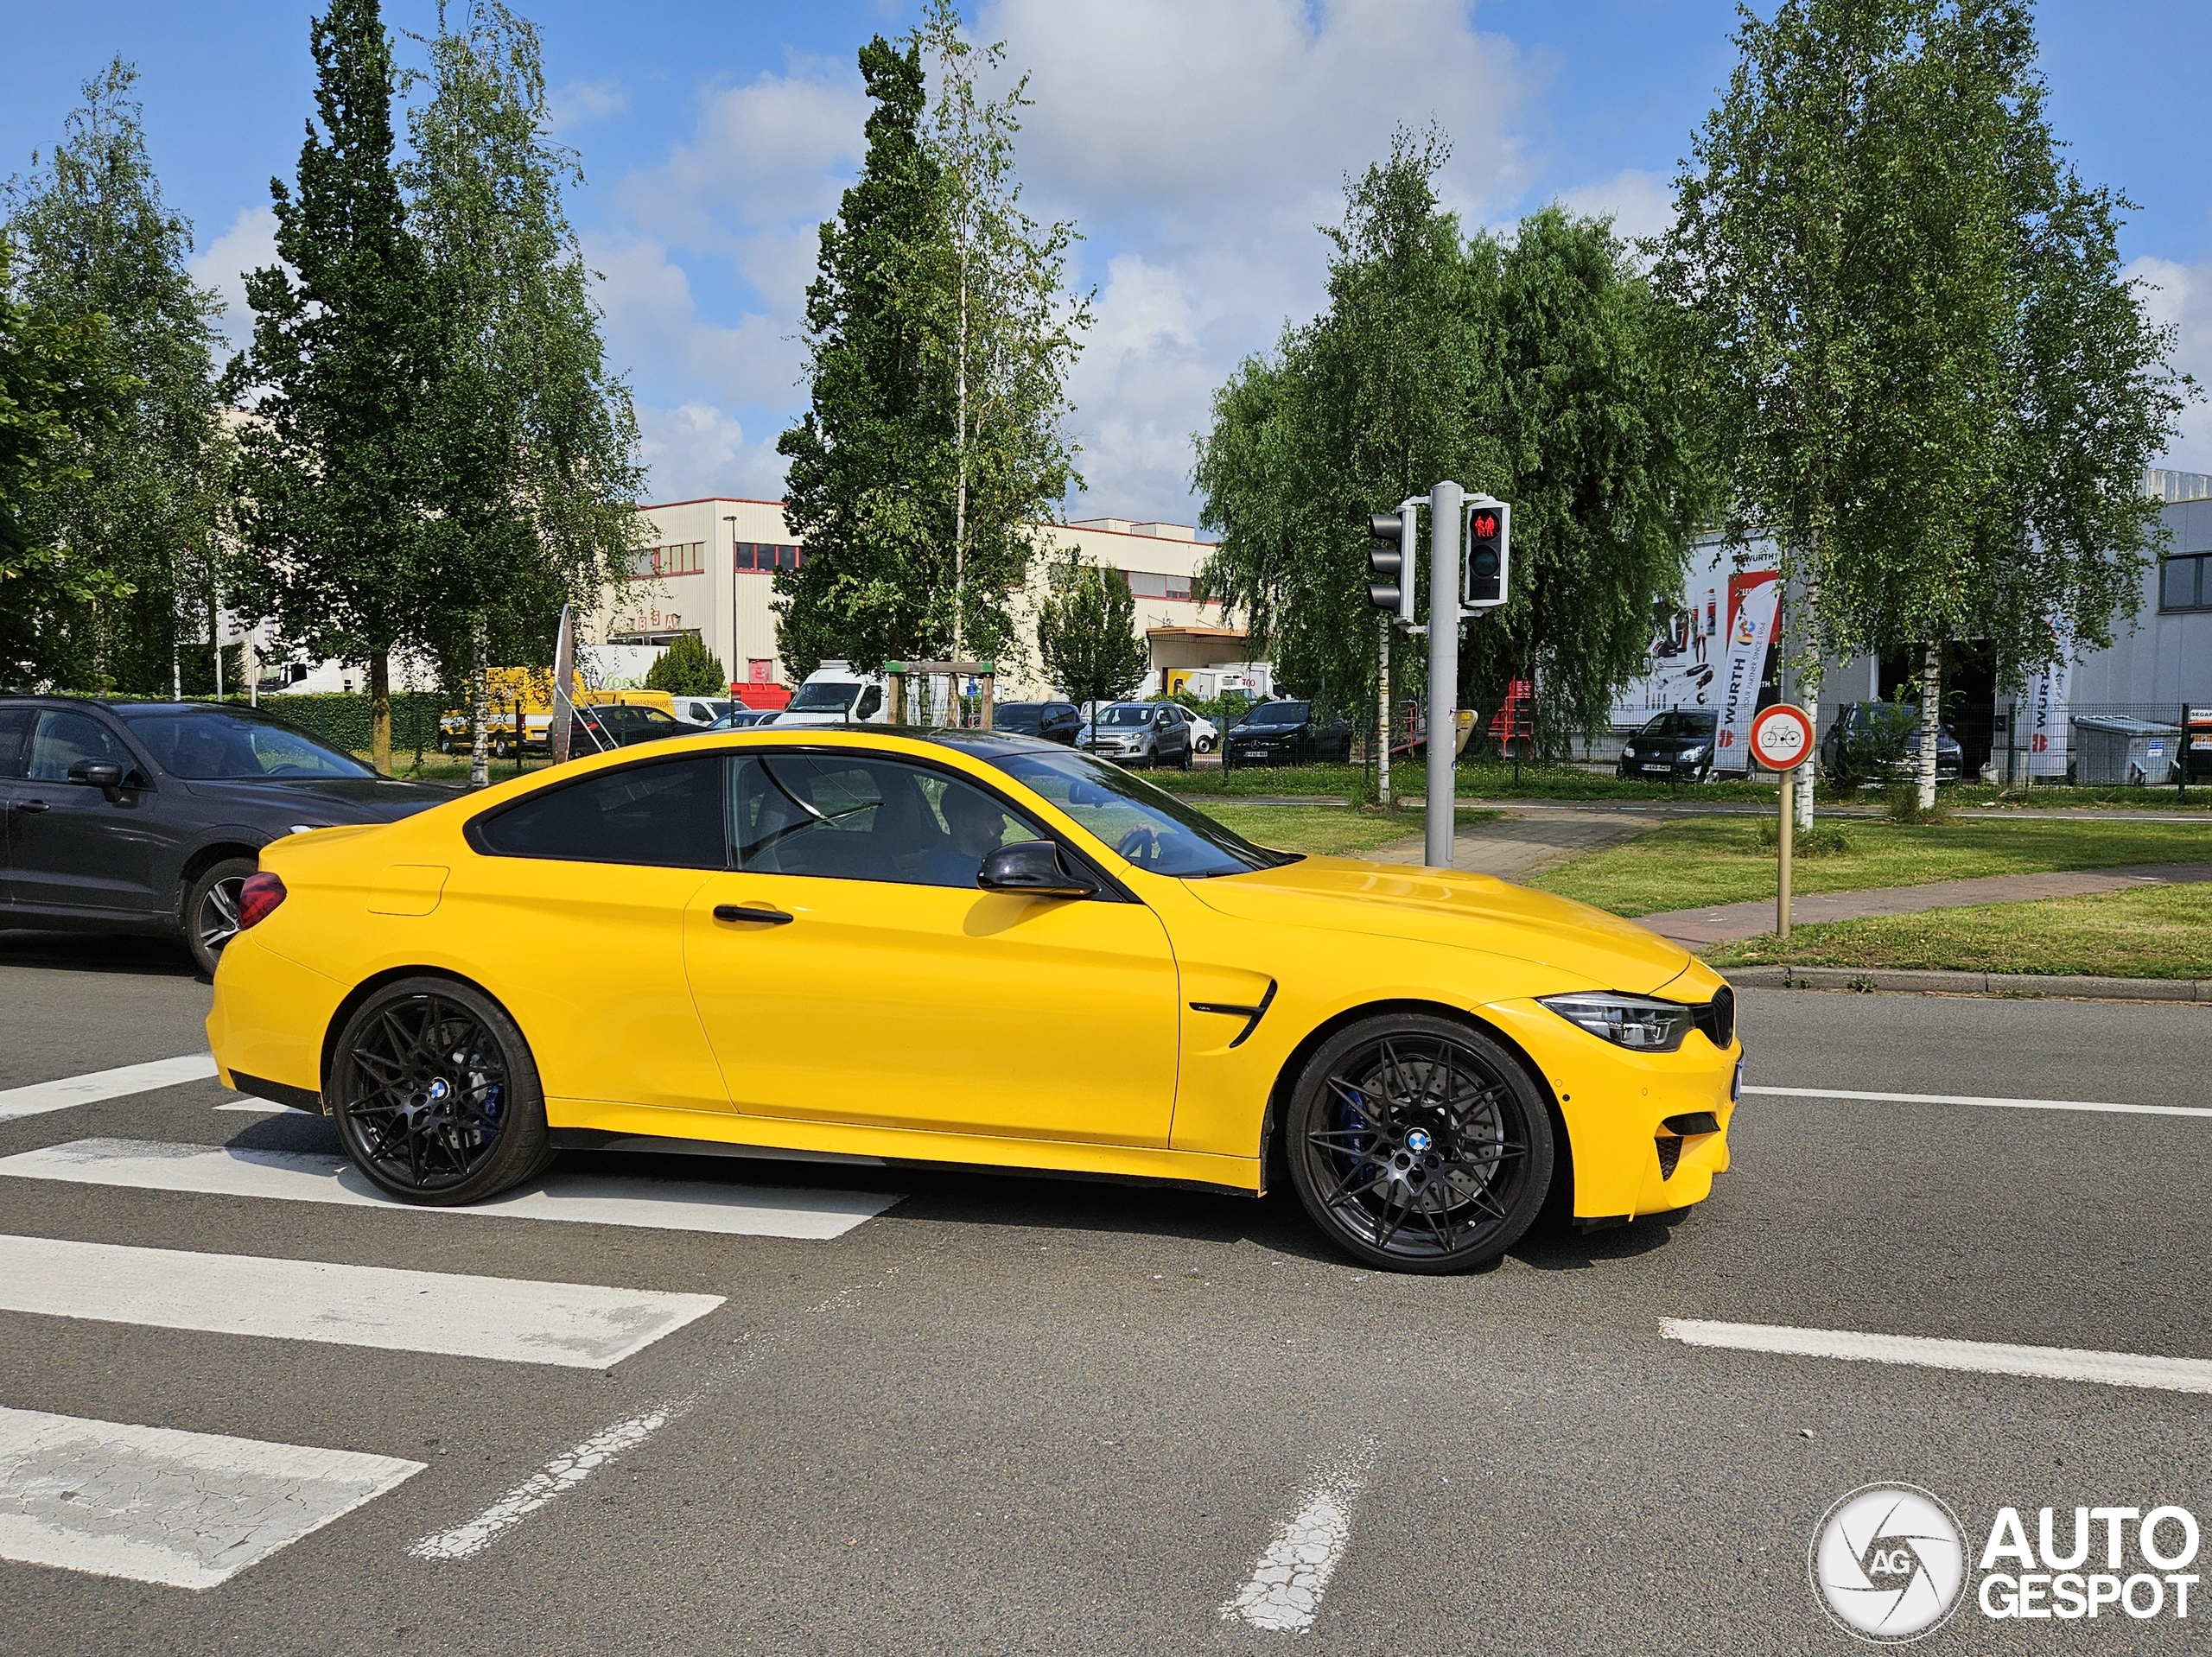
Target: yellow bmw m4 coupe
x,y
968,948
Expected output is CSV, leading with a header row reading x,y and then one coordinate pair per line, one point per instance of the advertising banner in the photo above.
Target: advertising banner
x,y
1753,599
2045,719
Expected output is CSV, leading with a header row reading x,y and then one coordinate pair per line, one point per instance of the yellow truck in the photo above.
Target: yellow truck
x,y
530,689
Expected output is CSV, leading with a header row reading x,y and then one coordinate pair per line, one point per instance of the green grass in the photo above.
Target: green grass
x,y
1720,861
2158,932
1324,831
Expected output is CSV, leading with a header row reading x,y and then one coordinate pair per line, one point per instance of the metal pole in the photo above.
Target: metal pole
x,y
1788,824
731,519
1383,716
1446,502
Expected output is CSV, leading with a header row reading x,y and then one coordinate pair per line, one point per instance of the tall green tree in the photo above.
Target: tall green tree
x,y
145,500
866,489
1086,633
939,331
56,386
1386,392
1007,329
531,442
1939,392
338,486
1541,371
1607,459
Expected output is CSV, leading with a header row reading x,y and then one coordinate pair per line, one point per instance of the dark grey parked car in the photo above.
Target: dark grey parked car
x,y
146,818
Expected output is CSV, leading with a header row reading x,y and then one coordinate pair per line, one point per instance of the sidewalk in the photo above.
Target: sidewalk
x,y
1735,923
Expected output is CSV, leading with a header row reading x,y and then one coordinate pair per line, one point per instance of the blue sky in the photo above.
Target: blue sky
x,y
1195,143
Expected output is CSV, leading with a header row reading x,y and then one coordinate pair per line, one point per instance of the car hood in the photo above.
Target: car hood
x,y
1470,911
327,799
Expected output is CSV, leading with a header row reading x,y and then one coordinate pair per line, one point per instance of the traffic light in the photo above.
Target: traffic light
x,y
1390,570
1490,541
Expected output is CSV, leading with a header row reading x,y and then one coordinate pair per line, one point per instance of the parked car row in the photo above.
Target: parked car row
x,y
1868,740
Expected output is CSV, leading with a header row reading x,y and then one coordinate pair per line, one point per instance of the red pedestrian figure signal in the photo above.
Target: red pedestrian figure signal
x,y
1482,578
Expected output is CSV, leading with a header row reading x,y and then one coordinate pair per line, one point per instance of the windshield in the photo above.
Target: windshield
x,y
1124,712
823,698
213,744
1679,722
1153,829
1018,716
1276,713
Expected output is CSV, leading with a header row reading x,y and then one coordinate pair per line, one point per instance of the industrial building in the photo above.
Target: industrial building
x,y
708,567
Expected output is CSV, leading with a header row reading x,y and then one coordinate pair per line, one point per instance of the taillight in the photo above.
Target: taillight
x,y
258,897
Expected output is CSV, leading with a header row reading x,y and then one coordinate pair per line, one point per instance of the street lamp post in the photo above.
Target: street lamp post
x,y
730,518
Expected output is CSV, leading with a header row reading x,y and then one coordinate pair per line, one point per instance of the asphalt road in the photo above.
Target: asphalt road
x,y
1028,1415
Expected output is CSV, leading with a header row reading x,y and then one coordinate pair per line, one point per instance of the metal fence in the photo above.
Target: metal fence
x,y
2022,744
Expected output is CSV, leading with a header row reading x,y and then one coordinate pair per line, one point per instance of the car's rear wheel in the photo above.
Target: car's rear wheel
x,y
1419,1144
435,1094
210,910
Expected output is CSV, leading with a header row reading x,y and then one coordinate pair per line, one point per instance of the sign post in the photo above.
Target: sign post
x,y
1782,737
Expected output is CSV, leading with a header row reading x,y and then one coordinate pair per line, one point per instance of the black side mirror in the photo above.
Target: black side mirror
x,y
1031,868
96,773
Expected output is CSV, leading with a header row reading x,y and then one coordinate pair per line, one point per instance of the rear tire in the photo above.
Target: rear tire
x,y
1417,1144
435,1094
210,910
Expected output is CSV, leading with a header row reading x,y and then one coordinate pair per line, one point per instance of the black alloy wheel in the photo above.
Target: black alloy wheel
x,y
1419,1144
435,1094
210,910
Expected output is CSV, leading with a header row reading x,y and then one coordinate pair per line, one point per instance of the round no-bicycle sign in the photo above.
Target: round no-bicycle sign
x,y
1782,736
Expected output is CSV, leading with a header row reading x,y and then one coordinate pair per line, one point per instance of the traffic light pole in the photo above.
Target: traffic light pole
x,y
1446,503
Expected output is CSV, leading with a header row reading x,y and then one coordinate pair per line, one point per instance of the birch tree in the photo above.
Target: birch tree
x,y
1939,393
532,441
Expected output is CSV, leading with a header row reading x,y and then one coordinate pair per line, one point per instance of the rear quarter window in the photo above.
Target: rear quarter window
x,y
667,813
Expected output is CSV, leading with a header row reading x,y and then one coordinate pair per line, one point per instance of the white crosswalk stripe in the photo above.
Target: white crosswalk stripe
x,y
675,1205
188,1509
512,1320
191,1509
42,1096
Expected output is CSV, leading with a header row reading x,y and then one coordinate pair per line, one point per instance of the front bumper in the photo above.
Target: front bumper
x,y
1637,1123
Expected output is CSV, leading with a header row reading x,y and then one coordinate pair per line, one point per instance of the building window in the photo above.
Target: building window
x,y
2186,583
764,556
649,563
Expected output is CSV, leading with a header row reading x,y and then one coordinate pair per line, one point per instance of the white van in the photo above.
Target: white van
x,y
835,694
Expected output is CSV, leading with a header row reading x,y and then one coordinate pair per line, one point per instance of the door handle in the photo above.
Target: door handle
x,y
746,912
31,805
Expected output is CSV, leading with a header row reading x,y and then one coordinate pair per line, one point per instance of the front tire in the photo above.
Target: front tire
x,y
1417,1144
210,910
435,1094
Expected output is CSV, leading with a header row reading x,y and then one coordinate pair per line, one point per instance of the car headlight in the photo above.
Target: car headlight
x,y
1689,755
1629,753
1635,1021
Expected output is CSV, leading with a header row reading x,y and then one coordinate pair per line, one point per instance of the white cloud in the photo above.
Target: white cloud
x,y
1639,203
1202,145
697,450
248,244
581,102
653,323
2182,295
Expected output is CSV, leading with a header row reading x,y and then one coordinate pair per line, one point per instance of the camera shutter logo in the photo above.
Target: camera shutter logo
x,y
1888,1563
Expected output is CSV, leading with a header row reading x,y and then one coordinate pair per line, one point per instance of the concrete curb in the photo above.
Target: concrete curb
x,y
1971,983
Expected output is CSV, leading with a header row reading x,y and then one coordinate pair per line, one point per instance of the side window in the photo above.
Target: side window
x,y
871,699
16,739
844,818
667,813
64,738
